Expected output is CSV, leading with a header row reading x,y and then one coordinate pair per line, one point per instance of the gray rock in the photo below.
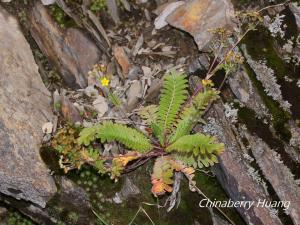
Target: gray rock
x,y
113,9
154,90
199,65
68,110
268,79
296,11
100,105
70,197
217,220
135,72
70,51
244,90
134,93
278,175
160,21
235,173
128,190
24,108
74,195
198,17
48,2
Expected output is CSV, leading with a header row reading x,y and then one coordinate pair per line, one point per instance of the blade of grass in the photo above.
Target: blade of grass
x,y
144,211
130,223
99,217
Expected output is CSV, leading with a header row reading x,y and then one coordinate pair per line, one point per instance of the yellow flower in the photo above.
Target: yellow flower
x,y
104,82
207,82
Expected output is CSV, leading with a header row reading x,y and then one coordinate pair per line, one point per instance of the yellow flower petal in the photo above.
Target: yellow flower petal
x,y
105,82
207,82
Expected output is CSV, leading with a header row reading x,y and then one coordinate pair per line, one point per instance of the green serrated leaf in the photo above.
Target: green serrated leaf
x,y
173,94
108,131
191,115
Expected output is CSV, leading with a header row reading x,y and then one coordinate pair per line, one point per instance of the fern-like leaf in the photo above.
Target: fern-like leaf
x,y
173,94
196,150
88,134
108,131
148,113
158,133
161,177
192,114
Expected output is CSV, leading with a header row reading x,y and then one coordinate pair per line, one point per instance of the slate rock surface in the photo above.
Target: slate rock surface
x,y
24,108
69,50
200,17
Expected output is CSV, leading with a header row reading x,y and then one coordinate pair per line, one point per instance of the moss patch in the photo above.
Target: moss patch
x,y
260,47
101,190
62,19
212,189
16,218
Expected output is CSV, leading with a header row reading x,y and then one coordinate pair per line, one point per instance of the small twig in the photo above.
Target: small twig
x,y
170,54
126,121
209,75
143,159
273,6
144,211
215,58
151,204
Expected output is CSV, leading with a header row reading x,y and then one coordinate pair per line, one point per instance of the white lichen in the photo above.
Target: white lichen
x,y
248,157
295,139
268,79
273,212
287,79
256,177
211,127
275,25
231,112
277,157
298,83
290,49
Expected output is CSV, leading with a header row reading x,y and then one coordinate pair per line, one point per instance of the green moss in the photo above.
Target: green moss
x,y
16,218
211,188
103,190
247,116
187,212
61,223
260,47
73,217
57,106
62,19
98,5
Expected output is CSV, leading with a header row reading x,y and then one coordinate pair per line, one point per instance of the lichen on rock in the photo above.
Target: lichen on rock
x,y
268,79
